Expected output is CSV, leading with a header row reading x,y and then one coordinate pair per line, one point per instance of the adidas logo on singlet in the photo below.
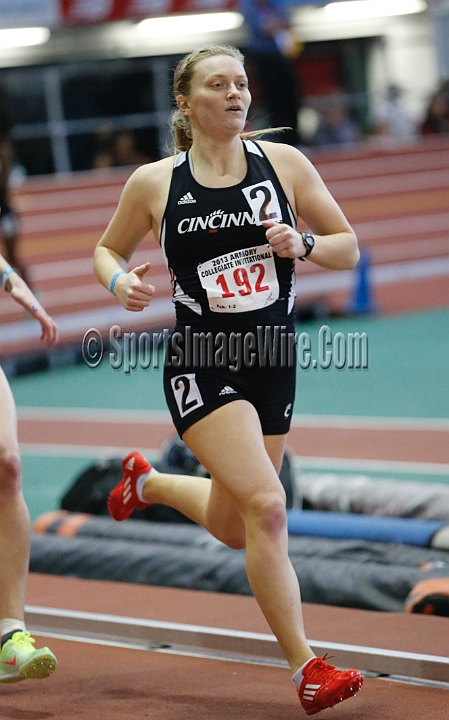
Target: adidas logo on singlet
x,y
227,390
186,199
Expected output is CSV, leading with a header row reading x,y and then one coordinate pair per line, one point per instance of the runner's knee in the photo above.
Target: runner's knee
x,y
267,512
10,472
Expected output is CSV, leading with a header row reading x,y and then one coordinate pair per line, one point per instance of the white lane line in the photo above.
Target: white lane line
x,y
380,652
84,266
366,422
401,251
93,415
59,613
268,662
411,249
34,611
380,275
195,653
230,643
88,451
383,466
386,164
63,200
300,463
160,310
401,226
389,184
66,221
108,196
362,422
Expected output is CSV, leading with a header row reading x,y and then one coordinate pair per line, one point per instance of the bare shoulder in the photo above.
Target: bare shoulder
x,y
286,158
296,173
152,176
148,189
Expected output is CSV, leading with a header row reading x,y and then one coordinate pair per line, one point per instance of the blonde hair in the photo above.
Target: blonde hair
x,y
182,82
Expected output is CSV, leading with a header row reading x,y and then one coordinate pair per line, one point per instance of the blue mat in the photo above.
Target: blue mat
x,y
407,531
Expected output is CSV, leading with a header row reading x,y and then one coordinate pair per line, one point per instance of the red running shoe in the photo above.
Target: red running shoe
x,y
123,498
323,686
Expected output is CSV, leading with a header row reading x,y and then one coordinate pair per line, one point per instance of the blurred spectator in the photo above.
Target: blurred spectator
x,y
436,120
271,48
392,119
104,138
118,150
444,89
335,126
9,223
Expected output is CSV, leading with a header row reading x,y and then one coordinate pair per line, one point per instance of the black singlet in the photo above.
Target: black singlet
x,y
223,271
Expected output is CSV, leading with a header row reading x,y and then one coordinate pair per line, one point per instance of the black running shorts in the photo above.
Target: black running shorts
x,y
193,393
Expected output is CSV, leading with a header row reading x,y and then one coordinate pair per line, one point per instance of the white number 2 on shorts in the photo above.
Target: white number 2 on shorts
x,y
187,393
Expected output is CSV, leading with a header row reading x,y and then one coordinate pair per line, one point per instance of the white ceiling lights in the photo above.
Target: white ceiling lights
x,y
23,37
185,25
364,9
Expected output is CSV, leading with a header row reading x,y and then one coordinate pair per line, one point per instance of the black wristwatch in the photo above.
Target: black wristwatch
x,y
309,244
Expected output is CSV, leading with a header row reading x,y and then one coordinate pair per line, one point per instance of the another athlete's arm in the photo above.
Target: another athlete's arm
x,y
21,293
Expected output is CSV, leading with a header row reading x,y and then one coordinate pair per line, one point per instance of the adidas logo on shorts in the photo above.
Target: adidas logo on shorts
x,y
227,390
186,199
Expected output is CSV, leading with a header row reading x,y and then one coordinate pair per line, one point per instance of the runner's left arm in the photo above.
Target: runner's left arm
x,y
335,241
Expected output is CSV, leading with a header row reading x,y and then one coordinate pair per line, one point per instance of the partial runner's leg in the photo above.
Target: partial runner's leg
x,y
243,468
203,500
14,517
207,502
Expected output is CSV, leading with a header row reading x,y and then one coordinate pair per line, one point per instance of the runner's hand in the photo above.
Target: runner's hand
x,y
21,293
284,239
131,290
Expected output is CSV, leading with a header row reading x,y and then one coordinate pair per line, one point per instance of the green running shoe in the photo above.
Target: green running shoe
x,y
20,661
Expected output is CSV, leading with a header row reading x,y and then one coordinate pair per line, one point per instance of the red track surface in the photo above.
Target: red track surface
x,y
101,683
389,444
109,683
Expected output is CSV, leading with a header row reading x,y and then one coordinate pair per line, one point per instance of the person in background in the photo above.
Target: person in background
x,y
9,223
19,660
225,209
119,150
271,48
436,119
392,119
335,126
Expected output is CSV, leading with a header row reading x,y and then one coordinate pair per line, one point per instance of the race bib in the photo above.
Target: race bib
x,y
240,281
263,201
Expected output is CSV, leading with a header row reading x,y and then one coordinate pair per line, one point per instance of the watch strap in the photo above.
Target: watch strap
x,y
308,247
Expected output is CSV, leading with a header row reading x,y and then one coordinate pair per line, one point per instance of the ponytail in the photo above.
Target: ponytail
x,y
182,131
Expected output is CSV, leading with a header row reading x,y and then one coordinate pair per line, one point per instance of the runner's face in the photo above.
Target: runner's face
x,y
219,96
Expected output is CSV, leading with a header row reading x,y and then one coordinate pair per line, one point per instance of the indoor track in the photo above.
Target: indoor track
x,y
101,679
390,420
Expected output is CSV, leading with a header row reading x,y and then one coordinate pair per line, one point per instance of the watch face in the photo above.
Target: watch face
x,y
309,242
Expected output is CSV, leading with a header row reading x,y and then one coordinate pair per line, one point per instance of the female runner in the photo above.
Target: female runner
x,y
225,210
